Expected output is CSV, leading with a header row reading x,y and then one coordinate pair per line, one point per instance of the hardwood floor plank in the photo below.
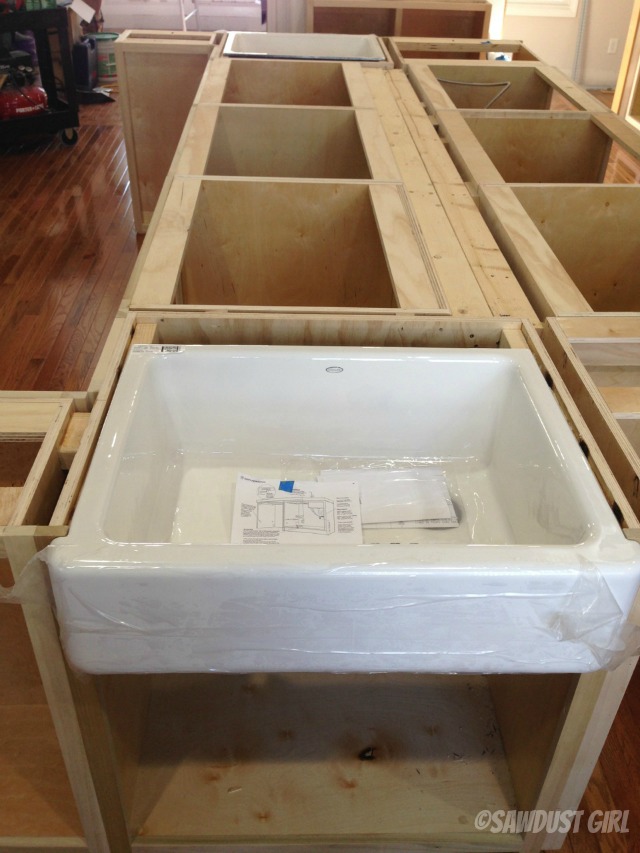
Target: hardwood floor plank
x,y
68,229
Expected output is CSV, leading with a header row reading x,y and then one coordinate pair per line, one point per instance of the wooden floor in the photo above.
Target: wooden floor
x,y
67,247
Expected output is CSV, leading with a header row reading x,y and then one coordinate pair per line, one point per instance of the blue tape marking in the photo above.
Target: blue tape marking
x,y
286,486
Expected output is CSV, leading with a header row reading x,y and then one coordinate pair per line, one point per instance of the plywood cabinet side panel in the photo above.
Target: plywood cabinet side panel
x,y
530,710
280,755
490,85
158,93
595,327
590,230
465,22
326,328
619,131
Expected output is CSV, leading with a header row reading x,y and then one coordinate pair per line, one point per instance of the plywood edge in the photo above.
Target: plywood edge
x,y
593,326
356,82
573,92
472,161
493,274
158,279
619,131
39,844
213,82
376,147
428,88
628,64
415,281
42,486
194,146
461,288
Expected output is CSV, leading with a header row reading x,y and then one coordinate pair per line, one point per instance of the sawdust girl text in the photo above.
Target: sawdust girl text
x,y
516,822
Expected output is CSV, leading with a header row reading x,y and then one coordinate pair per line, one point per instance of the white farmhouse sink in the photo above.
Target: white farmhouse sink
x,y
146,580
340,47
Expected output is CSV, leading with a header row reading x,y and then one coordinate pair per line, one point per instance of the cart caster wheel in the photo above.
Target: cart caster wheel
x,y
69,136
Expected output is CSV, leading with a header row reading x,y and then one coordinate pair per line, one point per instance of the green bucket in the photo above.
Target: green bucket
x,y
106,57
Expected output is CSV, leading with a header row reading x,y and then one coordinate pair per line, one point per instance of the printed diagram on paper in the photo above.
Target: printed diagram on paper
x,y
287,512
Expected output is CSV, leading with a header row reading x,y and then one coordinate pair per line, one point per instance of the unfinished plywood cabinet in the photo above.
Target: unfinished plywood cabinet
x,y
283,82
158,76
324,244
285,142
364,235
218,761
445,84
404,48
42,763
400,17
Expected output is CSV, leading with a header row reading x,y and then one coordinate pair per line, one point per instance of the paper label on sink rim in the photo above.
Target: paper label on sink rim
x,y
165,349
400,498
275,512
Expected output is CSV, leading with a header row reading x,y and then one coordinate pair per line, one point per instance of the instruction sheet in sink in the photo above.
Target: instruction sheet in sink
x,y
288,512
391,498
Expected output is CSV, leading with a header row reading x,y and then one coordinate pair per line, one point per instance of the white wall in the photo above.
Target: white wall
x,y
555,39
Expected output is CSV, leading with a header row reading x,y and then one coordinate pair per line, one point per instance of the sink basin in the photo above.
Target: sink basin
x,y
340,47
147,580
